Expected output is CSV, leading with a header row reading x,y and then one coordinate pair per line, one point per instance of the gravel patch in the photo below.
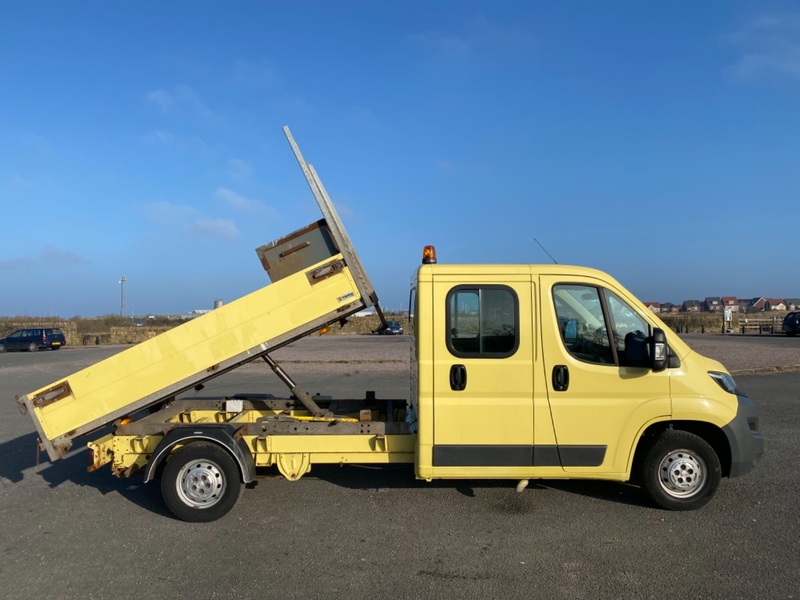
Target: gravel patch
x,y
744,356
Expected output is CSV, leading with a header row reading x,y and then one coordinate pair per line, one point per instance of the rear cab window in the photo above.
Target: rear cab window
x,y
482,321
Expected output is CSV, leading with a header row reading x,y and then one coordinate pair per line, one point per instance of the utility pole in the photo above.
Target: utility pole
x,y
122,281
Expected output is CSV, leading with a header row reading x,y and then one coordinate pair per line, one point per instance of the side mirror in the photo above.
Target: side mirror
x,y
659,352
636,349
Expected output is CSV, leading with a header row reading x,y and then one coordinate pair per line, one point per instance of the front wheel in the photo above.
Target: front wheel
x,y
201,483
2,347
681,471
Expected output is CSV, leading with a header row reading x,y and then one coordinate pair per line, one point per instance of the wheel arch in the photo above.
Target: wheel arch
x,y
709,432
225,437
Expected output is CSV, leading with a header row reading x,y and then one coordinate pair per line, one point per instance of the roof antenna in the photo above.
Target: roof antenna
x,y
545,250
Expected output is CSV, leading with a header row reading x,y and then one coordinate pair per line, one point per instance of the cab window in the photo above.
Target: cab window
x,y
597,326
482,321
579,310
630,331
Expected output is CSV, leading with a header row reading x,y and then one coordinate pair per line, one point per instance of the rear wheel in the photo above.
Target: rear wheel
x,y
201,483
681,471
32,347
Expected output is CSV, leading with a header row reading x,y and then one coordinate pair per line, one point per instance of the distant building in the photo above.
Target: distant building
x,y
691,306
719,304
775,304
730,302
654,306
792,303
713,304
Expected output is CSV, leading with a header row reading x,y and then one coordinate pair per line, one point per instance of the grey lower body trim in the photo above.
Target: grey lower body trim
x,y
470,455
745,439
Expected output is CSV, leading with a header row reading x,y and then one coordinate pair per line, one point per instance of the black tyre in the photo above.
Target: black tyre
x,y
2,347
32,347
201,483
680,471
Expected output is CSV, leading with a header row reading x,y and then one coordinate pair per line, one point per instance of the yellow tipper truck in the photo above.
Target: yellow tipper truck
x,y
520,372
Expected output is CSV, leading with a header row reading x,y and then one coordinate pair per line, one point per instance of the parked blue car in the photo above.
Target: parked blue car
x,y
791,324
392,328
33,339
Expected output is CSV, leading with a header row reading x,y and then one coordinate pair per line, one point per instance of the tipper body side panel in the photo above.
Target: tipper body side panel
x,y
191,353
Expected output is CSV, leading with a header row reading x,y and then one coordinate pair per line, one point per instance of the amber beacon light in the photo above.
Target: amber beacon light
x,y
429,255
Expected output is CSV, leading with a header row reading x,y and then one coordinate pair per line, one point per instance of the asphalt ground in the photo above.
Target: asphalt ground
x,y
377,532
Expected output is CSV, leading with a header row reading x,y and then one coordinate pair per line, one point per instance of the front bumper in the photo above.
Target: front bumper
x,y
745,439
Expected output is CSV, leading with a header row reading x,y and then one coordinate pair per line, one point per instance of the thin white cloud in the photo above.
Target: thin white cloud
x,y
36,142
53,256
451,166
159,138
187,66
240,170
481,38
292,103
235,200
161,99
345,211
169,215
443,164
260,74
492,35
245,204
192,98
450,46
769,45
180,98
19,183
365,119
188,220
49,255
12,264
215,227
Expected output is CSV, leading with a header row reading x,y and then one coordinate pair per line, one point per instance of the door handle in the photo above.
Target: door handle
x,y
458,378
560,378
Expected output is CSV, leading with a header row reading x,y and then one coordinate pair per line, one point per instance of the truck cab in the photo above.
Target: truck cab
x,y
554,371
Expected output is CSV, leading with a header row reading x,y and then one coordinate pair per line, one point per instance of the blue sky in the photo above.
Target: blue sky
x,y
657,141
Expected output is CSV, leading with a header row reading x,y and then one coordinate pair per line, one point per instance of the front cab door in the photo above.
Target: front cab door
x,y
601,389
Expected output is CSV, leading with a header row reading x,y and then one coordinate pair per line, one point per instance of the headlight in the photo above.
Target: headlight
x,y
724,380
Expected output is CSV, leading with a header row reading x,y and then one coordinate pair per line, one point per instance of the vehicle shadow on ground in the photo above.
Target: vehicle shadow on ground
x,y
402,477
21,455
73,469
